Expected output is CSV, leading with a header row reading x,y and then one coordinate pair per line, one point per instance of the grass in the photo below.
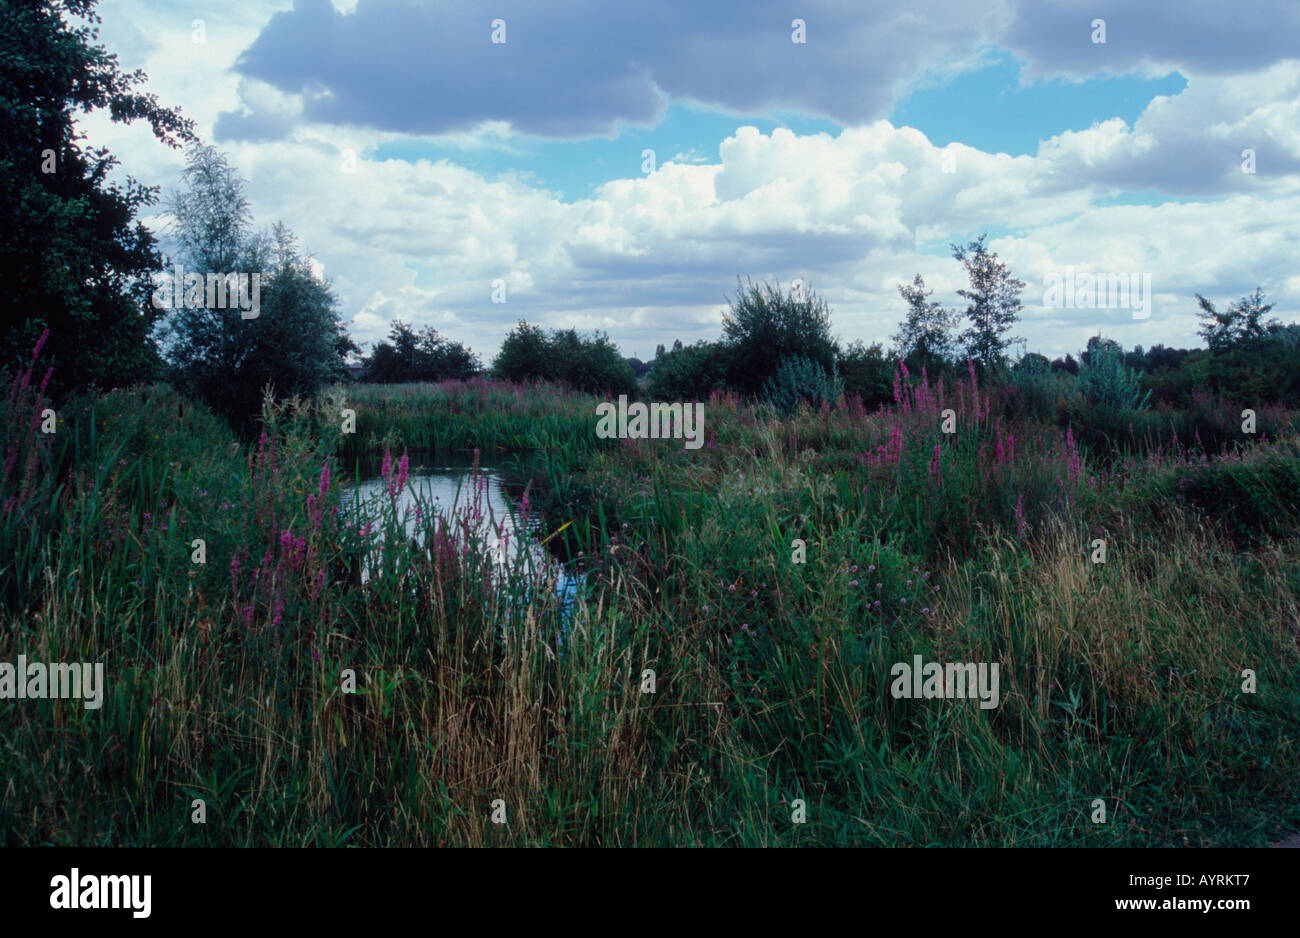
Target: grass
x,y
1120,681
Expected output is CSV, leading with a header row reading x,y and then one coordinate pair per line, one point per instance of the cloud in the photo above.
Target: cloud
x,y
1206,37
584,68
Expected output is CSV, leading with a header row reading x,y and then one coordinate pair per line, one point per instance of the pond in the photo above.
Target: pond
x,y
451,486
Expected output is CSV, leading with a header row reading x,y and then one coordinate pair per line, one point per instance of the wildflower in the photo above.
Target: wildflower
x,y
853,582
403,469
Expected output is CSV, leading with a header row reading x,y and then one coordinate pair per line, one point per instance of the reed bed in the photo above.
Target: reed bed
x,y
477,690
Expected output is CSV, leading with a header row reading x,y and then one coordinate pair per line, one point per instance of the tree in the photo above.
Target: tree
x,y
925,336
1067,365
1032,363
525,355
1241,323
423,356
294,343
868,372
994,303
73,256
587,363
763,326
690,373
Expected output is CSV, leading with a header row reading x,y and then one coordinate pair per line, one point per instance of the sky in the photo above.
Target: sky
x,y
622,169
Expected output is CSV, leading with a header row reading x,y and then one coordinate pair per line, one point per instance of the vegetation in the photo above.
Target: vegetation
x,y
1117,534
221,353
426,356
74,257
585,363
1120,680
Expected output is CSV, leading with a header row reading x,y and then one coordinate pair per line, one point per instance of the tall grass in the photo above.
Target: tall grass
x,y
226,682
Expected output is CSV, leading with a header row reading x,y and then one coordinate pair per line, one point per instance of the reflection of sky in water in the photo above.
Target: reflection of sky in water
x,y
451,492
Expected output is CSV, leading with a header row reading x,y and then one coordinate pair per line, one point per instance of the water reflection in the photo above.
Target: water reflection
x,y
455,491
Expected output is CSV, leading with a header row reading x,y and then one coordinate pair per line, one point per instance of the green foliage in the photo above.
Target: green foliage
x,y
689,373
1107,383
1036,392
525,355
293,346
867,372
993,303
800,380
1240,324
1032,363
72,253
925,337
586,363
426,356
764,325
1253,498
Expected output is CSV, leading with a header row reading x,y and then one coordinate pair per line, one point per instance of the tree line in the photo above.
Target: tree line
x,y
81,264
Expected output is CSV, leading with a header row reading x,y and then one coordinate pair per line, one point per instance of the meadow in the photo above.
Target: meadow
x,y
1121,680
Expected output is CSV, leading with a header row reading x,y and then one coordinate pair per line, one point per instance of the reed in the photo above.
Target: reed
x,y
226,679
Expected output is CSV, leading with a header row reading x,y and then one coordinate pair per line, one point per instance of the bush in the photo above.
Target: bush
x,y
800,379
1108,384
765,326
1038,394
869,373
586,363
689,374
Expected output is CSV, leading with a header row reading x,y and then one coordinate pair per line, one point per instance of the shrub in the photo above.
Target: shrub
x,y
1108,384
586,363
800,379
869,373
764,326
689,374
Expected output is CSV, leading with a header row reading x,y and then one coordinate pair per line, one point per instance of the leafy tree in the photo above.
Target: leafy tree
x,y
1032,363
763,325
525,355
592,364
1066,364
993,303
1098,344
424,356
586,363
72,254
925,336
295,343
868,372
1242,322
691,373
